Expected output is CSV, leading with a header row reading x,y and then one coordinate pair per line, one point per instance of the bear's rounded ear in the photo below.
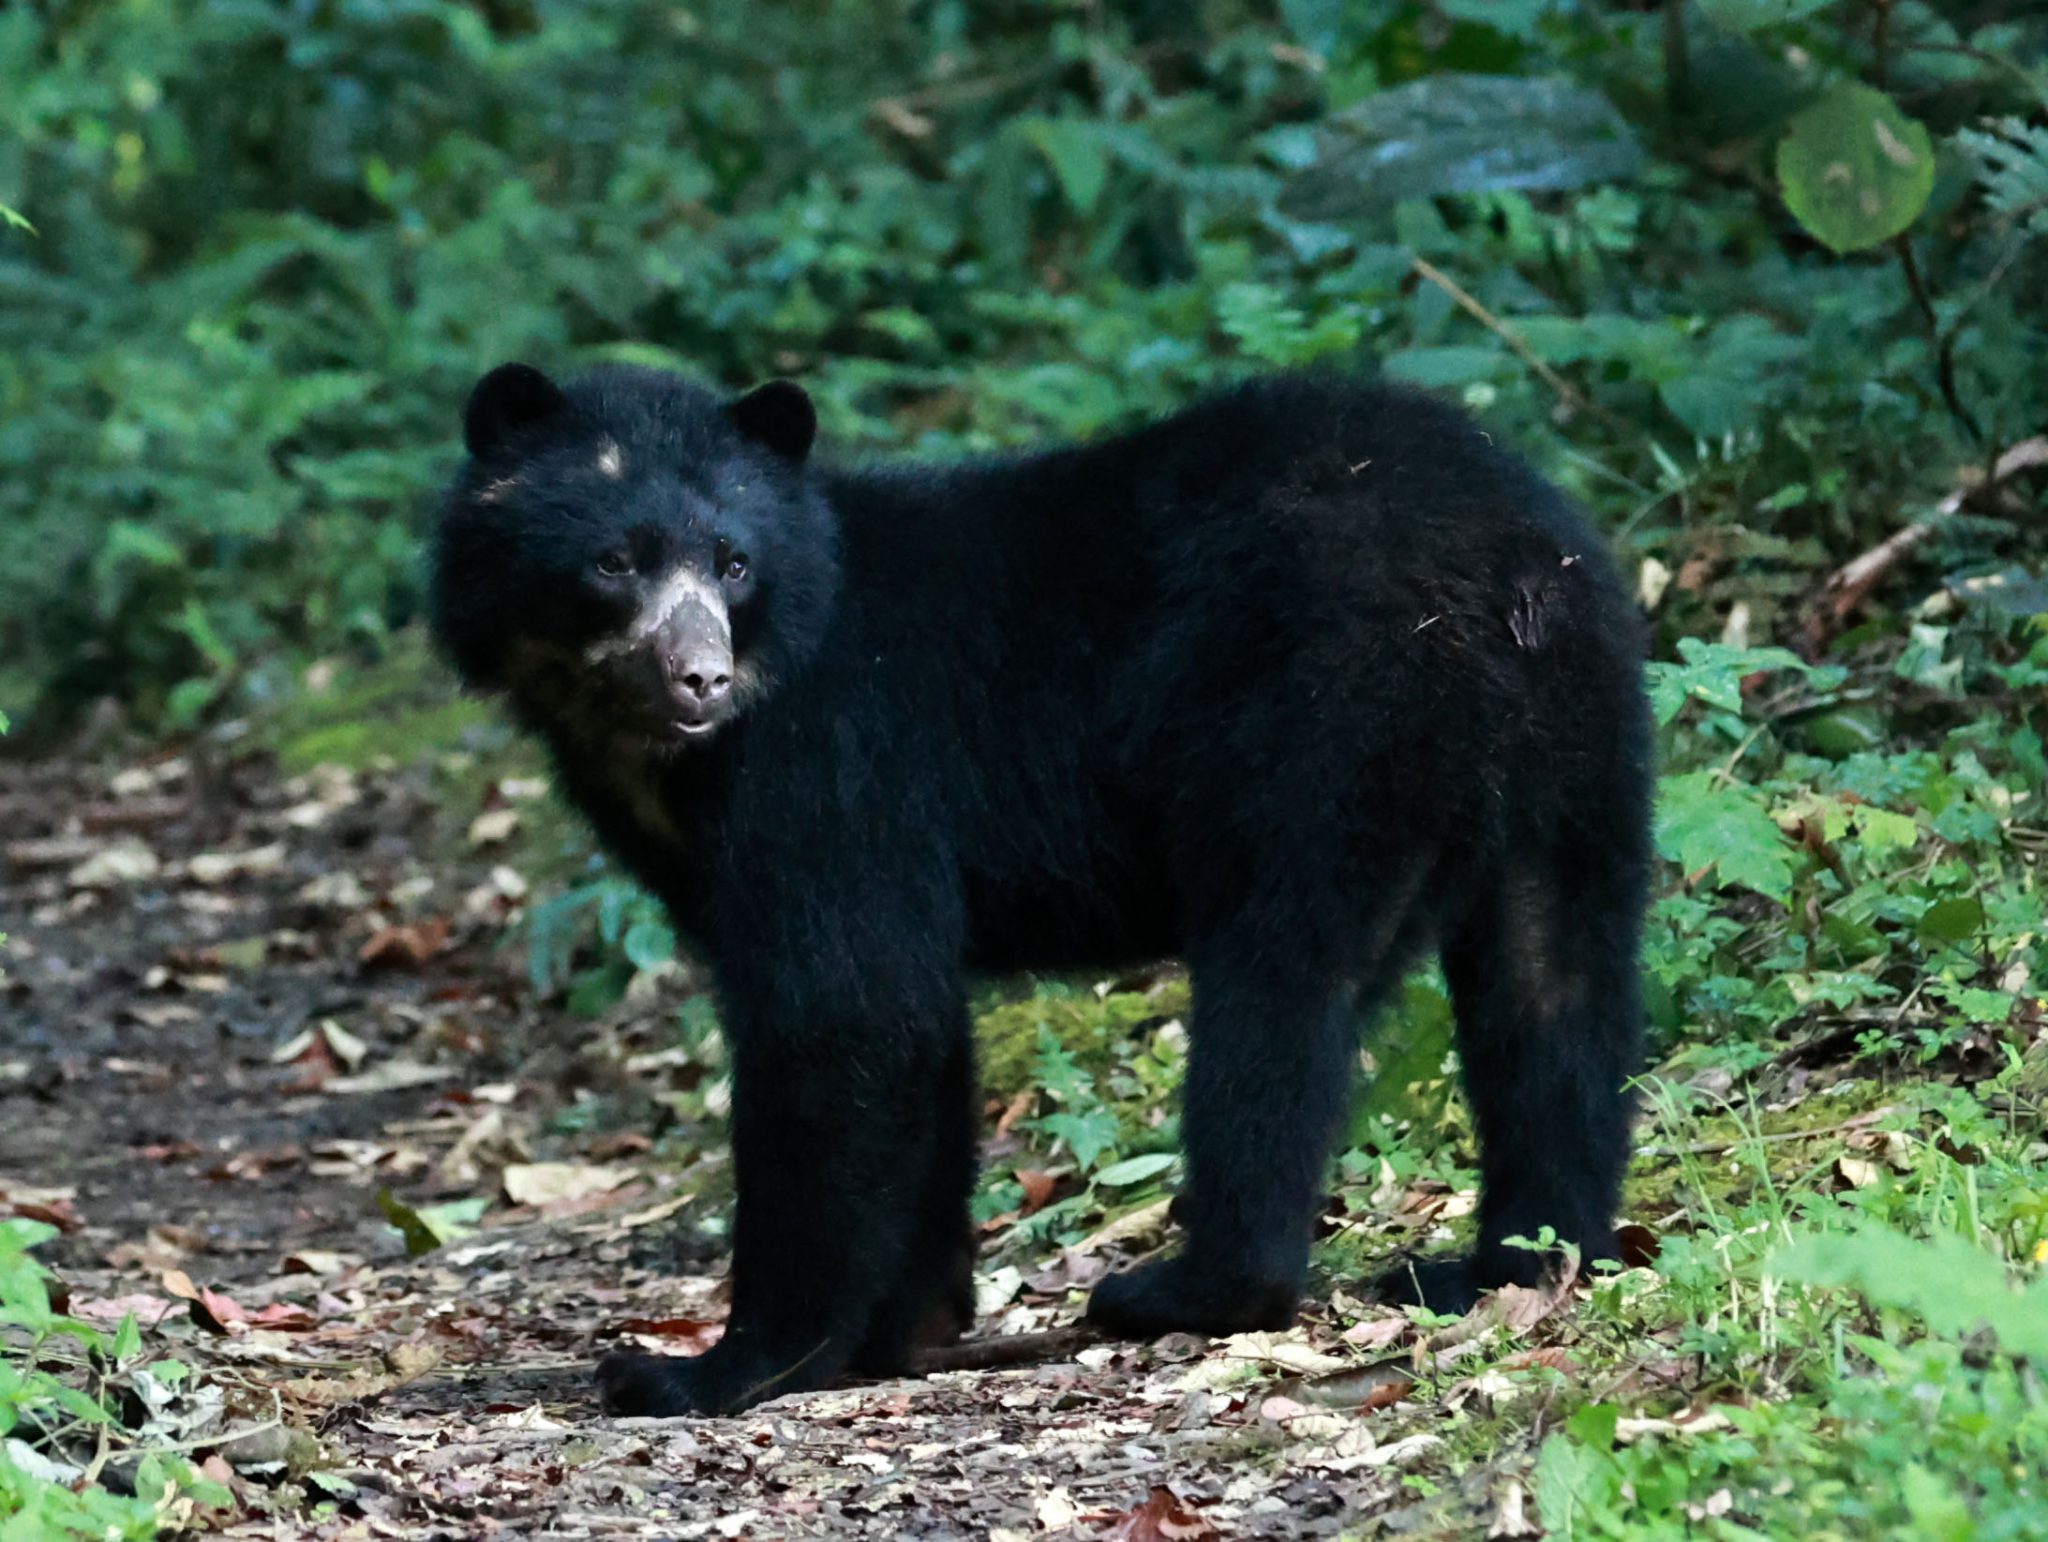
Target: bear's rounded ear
x,y
507,401
778,415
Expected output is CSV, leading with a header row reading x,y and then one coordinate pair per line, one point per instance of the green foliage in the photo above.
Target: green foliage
x,y
1911,1430
276,244
41,1493
1950,1286
2012,158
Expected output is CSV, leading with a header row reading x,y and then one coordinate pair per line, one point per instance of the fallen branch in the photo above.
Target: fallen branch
x,y
1719,1147
988,1354
1848,585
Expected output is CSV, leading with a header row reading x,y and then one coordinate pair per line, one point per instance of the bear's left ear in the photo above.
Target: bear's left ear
x,y
778,415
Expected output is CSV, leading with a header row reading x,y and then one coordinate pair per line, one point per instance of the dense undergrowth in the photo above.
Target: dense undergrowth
x,y
271,246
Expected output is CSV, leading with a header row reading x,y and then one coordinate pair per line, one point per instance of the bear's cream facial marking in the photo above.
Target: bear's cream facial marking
x,y
681,590
495,491
673,658
686,603
611,460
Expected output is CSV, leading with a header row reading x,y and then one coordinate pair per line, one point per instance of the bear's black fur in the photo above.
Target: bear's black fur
x,y
1296,683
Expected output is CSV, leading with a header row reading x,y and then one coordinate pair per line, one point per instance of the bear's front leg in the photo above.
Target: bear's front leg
x,y
844,1143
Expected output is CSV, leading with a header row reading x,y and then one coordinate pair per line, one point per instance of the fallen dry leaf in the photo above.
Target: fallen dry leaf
x,y
1377,1333
1364,1388
493,827
125,862
546,1183
320,1261
692,1335
402,1363
217,867
52,1210
391,1076
405,947
1038,1189
1146,1221
1709,1422
1552,1357
1163,1517
215,1310
1511,1518
1057,1511
108,1311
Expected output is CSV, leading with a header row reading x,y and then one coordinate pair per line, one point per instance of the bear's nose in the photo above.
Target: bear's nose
x,y
700,678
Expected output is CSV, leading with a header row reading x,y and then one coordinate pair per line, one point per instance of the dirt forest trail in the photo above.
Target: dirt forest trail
x,y
250,1032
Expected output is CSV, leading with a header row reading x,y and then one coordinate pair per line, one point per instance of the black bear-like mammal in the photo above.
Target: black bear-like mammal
x,y
1295,684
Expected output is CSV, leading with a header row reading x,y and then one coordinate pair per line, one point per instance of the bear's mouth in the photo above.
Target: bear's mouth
x,y
696,729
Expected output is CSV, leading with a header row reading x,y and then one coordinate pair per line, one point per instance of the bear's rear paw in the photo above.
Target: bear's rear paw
x,y
1169,1295
1449,1286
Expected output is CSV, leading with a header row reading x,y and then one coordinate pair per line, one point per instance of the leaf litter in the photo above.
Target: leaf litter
x,y
301,1116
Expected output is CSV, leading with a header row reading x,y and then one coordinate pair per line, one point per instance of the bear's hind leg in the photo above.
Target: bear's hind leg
x,y
1545,979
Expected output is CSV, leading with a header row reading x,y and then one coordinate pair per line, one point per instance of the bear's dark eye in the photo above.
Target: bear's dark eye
x,y
615,564
736,567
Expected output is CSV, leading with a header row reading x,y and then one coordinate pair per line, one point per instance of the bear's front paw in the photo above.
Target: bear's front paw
x,y
735,1374
1170,1295
655,1386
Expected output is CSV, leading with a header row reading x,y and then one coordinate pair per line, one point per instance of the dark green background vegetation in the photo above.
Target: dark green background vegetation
x,y
275,243
1764,282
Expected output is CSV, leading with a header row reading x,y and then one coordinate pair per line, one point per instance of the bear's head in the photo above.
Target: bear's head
x,y
630,550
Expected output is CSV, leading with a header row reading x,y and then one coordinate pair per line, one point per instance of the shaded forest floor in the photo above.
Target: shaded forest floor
x,y
248,1028
274,1066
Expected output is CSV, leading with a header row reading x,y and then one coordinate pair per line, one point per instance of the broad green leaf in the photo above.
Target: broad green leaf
x,y
649,943
1748,15
1881,832
1854,169
1075,151
1135,1169
1953,920
1844,731
427,1227
1463,134
1455,365
1713,673
1725,830
1088,1133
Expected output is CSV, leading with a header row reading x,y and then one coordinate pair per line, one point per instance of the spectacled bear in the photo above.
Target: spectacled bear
x,y
1294,684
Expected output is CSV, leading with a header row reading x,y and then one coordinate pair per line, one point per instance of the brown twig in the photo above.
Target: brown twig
x,y
987,1354
1567,393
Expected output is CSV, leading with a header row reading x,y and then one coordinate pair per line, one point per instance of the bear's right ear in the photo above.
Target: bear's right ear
x,y
509,400
778,415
